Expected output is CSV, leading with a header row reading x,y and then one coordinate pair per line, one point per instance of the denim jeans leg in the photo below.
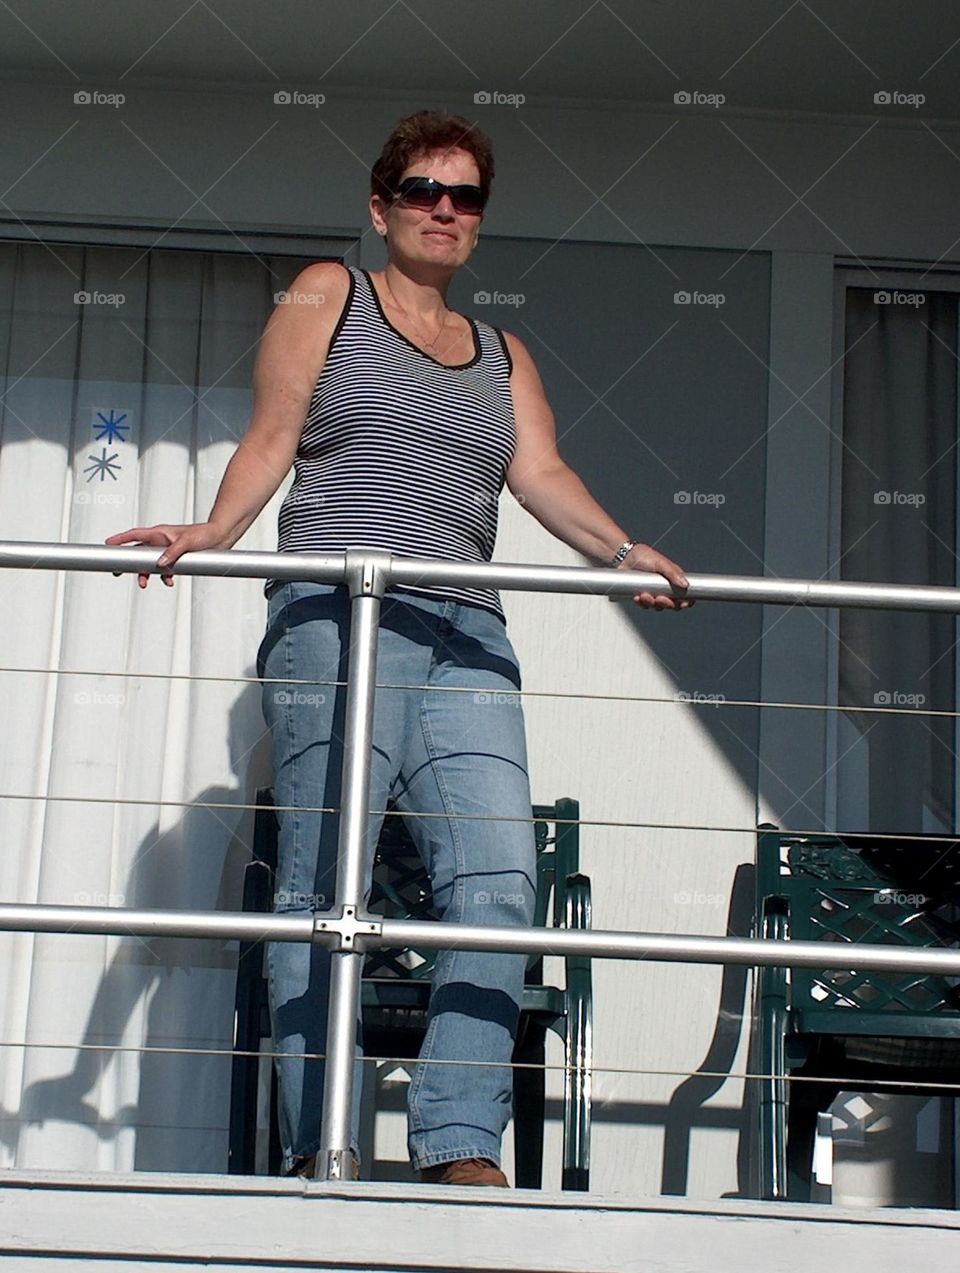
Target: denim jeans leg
x,y
467,760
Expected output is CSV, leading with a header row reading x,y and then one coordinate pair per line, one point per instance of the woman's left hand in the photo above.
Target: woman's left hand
x,y
643,557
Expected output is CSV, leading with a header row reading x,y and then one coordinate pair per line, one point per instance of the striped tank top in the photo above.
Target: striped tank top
x,y
399,452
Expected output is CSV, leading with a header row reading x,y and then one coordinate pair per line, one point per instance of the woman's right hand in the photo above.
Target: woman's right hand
x,y
177,540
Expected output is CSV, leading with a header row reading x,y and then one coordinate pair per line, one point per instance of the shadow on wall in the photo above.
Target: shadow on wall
x,y
196,864
190,984
688,1110
655,364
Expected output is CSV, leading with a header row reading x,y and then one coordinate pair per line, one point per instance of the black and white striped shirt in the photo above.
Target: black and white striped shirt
x,y
400,452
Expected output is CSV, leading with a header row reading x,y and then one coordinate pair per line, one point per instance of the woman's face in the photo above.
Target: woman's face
x,y
441,237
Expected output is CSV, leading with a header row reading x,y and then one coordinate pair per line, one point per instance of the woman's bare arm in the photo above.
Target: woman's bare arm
x,y
554,494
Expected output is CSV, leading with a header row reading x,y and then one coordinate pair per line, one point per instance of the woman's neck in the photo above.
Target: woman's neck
x,y
425,297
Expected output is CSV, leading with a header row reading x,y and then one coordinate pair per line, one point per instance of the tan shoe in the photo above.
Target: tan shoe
x,y
465,1171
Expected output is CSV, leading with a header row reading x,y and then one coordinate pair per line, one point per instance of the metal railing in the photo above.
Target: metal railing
x,y
346,927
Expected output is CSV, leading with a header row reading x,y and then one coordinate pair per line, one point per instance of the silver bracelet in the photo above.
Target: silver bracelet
x,y
621,553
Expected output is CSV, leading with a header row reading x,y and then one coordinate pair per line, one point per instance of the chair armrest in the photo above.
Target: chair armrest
x,y
577,901
773,925
577,914
578,1039
771,1022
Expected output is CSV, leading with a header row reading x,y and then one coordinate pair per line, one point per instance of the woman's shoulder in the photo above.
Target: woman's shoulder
x,y
318,297
330,279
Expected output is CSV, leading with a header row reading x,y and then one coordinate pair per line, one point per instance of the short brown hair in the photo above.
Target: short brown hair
x,y
422,134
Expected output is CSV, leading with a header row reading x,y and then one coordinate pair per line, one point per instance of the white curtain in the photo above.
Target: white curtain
x,y
122,774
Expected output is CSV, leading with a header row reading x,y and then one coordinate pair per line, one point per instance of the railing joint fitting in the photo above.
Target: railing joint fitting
x,y
367,572
348,925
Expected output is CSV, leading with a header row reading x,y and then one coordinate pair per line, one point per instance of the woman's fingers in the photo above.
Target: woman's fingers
x,y
647,558
174,540
662,601
150,537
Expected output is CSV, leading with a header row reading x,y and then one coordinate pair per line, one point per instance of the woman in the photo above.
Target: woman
x,y
403,420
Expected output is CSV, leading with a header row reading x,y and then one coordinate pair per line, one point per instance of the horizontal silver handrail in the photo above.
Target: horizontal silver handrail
x,y
333,568
366,931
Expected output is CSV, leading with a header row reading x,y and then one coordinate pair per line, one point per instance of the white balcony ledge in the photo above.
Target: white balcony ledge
x,y
86,1220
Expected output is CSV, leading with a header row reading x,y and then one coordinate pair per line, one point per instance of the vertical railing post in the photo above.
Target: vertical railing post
x,y
366,576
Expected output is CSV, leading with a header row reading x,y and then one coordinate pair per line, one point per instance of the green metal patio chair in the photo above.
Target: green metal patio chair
x,y
849,1030
396,988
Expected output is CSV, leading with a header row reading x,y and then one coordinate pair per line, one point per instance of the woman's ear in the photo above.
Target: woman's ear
x,y
377,214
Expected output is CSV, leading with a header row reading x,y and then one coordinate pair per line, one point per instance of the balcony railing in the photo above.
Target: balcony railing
x,y
345,927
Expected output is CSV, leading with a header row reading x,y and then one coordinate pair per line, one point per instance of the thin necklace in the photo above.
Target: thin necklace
x,y
430,343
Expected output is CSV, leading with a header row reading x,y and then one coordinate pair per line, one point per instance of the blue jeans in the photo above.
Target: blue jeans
x,y
452,745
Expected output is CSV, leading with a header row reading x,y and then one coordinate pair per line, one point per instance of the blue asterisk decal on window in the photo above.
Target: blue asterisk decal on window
x,y
102,464
113,430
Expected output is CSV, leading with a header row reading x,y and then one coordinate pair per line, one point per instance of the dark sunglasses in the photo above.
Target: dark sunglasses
x,y
423,193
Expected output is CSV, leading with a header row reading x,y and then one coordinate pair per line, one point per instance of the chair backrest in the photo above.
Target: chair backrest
x,y
903,892
401,886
